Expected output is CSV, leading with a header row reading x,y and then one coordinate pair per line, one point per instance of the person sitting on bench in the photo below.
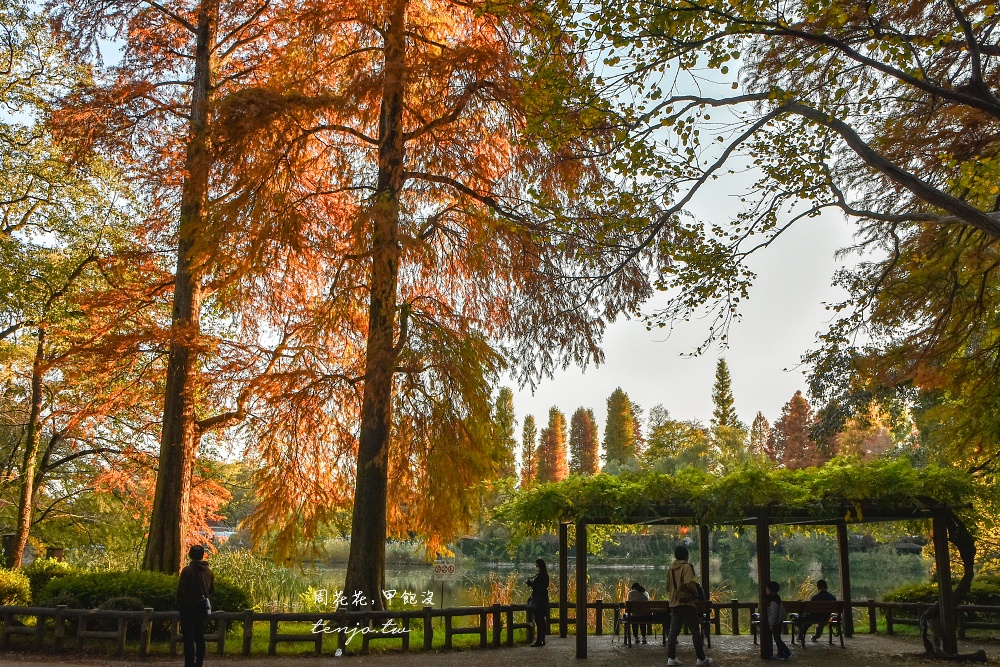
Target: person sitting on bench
x,y
638,593
819,619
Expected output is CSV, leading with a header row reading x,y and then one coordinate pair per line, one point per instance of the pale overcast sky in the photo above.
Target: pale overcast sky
x,y
779,324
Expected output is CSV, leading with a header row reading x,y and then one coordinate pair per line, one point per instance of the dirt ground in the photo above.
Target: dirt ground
x,y
878,650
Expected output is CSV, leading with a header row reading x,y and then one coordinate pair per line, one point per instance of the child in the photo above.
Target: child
x,y
775,618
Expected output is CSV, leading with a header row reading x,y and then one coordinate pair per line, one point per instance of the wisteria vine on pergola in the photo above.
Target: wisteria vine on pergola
x,y
844,487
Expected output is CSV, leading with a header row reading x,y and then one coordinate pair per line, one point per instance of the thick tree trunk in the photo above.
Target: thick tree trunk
x,y
366,562
179,437
26,498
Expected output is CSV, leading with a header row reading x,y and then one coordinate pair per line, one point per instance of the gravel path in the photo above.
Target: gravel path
x,y
878,650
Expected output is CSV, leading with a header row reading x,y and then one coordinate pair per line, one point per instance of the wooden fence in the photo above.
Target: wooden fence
x,y
495,625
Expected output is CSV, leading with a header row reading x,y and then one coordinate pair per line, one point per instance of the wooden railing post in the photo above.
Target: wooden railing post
x,y
39,631
220,645
510,627
81,627
483,622
60,626
734,607
428,628
145,630
175,624
888,619
247,631
497,625
272,643
599,617
122,628
872,617
447,630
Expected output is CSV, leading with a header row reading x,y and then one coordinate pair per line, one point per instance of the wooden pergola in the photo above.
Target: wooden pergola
x,y
762,518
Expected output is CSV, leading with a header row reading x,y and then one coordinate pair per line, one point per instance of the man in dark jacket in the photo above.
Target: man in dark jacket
x,y
819,619
196,583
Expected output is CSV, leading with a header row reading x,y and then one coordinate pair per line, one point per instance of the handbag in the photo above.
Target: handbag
x,y
208,607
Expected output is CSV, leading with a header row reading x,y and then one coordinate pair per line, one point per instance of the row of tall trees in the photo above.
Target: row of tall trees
x,y
795,440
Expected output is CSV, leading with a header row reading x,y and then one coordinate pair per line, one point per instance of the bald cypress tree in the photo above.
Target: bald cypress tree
x,y
552,464
619,431
529,454
760,436
505,423
791,434
583,444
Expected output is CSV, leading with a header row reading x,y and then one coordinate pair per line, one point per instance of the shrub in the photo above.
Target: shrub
x,y
229,597
15,589
985,591
92,589
42,570
123,603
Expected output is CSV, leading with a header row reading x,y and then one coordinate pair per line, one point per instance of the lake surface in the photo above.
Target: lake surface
x,y
479,584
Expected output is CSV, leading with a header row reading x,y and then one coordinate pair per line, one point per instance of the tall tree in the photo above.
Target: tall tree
x,y
552,463
529,456
724,412
583,443
760,437
152,112
421,144
619,430
505,424
791,434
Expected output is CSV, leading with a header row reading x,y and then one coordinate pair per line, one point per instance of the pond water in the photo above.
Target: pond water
x,y
478,584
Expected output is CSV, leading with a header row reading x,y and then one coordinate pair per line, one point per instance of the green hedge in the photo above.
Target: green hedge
x,y
15,589
985,591
43,570
91,590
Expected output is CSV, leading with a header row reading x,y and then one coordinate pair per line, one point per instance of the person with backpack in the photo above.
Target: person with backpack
x,y
776,616
683,591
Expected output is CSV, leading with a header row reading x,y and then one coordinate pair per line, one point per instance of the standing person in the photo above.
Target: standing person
x,y
683,596
538,603
637,593
195,585
776,619
819,619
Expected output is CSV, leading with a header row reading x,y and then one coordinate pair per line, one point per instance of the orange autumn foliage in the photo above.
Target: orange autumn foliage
x,y
131,476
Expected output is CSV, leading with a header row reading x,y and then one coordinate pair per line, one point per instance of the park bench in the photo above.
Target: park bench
x,y
658,612
801,609
804,613
641,612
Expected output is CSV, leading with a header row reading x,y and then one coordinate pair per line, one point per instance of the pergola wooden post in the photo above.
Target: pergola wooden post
x,y
763,576
942,562
845,579
581,589
703,552
563,577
